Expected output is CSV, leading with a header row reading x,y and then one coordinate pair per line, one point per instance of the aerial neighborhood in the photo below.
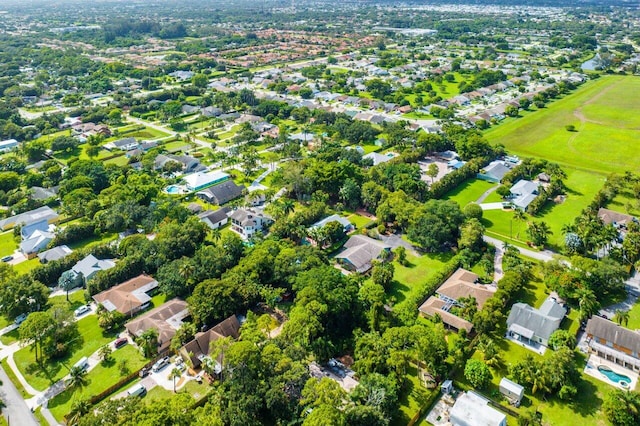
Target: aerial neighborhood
x,y
319,213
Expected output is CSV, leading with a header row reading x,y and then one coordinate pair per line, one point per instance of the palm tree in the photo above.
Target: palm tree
x,y
148,342
621,317
288,206
76,377
587,303
78,409
216,234
175,374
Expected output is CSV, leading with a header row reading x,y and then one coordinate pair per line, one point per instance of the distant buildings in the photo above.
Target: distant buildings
x,y
8,145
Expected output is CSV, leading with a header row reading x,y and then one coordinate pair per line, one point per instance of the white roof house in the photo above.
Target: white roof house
x,y
377,158
333,218
471,409
200,180
8,145
523,192
27,218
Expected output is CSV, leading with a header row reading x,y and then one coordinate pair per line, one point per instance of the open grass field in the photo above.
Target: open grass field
x,y
469,191
99,379
44,375
606,119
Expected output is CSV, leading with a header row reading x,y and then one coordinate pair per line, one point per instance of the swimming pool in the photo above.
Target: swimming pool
x,y
173,189
614,377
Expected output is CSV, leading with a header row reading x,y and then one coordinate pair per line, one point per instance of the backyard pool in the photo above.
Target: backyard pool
x,y
614,377
173,189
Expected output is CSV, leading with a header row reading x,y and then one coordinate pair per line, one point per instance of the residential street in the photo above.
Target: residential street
x,y
545,255
16,410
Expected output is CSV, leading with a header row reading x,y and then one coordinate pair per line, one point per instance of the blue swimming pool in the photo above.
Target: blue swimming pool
x,y
613,376
173,189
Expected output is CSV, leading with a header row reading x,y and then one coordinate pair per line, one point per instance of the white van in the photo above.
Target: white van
x,y
137,390
82,363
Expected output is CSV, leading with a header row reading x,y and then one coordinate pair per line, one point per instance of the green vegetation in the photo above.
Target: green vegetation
x,y
43,375
417,270
601,111
469,191
7,244
100,378
14,379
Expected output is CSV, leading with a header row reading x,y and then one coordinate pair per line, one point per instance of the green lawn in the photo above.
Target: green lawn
x,y
26,266
76,299
634,316
7,244
42,376
418,270
100,378
469,191
606,119
412,397
581,188
118,161
359,221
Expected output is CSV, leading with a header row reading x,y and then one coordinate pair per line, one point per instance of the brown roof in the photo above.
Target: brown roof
x,y
433,306
609,331
610,216
166,319
462,284
201,344
129,296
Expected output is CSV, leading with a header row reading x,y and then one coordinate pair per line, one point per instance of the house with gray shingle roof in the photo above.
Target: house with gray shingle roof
x,y
360,251
535,325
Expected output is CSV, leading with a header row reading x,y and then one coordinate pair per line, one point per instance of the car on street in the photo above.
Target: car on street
x,y
160,364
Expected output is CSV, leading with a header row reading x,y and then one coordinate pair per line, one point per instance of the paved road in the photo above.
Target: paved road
x,y
486,194
16,410
545,255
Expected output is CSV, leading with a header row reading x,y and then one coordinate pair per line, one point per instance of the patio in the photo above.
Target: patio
x,y
525,343
595,361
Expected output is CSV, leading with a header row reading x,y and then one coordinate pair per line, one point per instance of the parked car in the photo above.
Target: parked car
x,y
7,258
160,364
81,310
20,319
144,372
137,390
120,342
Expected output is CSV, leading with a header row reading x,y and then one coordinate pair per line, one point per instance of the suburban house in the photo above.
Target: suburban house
x,y
8,145
55,253
215,219
26,218
494,171
36,237
126,144
462,284
619,220
472,409
377,158
41,194
200,180
247,222
523,193
613,342
360,251
222,193
165,319
512,391
88,267
195,351
346,225
535,325
189,164
128,297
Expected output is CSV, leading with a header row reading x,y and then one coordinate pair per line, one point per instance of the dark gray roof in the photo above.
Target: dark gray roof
x,y
222,193
40,193
124,142
361,251
214,216
609,331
